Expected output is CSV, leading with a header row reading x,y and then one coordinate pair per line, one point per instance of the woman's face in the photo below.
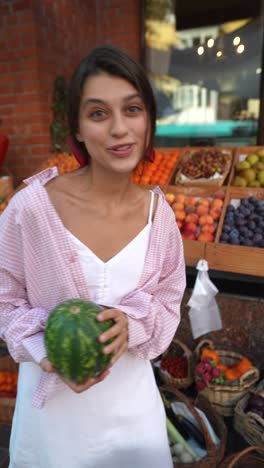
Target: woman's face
x,y
113,123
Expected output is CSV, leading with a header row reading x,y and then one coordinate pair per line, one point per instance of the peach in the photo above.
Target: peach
x,y
180,198
217,203
191,201
180,215
190,209
204,201
177,206
192,218
205,236
191,227
220,194
215,213
208,228
202,210
206,219
187,235
170,197
179,223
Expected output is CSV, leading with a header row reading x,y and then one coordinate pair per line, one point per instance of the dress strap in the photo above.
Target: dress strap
x,y
151,207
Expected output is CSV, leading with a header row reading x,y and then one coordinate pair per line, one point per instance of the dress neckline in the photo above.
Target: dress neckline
x,y
120,252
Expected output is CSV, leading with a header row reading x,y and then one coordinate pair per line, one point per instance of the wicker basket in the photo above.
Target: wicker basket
x,y
224,397
167,378
7,405
180,179
245,459
249,425
214,453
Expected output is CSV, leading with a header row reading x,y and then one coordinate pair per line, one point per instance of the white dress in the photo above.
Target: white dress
x,y
118,423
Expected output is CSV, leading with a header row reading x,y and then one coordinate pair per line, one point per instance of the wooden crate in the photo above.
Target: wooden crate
x,y
240,154
194,250
7,405
200,182
236,258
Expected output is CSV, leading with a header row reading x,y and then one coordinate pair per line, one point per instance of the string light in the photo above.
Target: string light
x,y
200,50
210,42
219,53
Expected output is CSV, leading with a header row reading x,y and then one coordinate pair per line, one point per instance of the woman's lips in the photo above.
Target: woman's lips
x,y
121,151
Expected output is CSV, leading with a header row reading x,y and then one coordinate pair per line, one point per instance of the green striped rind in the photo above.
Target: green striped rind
x,y
72,340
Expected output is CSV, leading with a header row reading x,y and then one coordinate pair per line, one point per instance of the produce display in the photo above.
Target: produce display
x,y
210,369
244,223
249,171
158,171
71,338
197,217
204,164
8,384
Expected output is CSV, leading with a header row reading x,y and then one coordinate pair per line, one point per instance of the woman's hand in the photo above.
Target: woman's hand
x,y
119,332
46,366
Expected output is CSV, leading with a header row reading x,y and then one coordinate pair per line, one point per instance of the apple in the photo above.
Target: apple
x,y
170,197
191,227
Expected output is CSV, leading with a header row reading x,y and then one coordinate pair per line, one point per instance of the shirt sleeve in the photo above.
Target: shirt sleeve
x,y
151,334
21,326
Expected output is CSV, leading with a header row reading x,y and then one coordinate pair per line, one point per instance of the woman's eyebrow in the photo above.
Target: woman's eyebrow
x,y
101,101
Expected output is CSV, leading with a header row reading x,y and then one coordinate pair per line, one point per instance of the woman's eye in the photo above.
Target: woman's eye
x,y
97,114
134,109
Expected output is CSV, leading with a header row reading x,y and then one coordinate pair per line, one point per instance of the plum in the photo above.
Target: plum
x,y
252,225
226,228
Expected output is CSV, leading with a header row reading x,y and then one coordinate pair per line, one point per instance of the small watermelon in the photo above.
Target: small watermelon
x,y
71,338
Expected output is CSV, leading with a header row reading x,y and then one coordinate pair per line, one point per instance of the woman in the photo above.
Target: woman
x,y
94,235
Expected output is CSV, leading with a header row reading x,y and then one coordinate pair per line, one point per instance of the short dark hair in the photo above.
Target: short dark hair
x,y
114,61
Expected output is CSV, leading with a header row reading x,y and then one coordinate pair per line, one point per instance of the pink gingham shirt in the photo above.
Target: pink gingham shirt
x,y
40,268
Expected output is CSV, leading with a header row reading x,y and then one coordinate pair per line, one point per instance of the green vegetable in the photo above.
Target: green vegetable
x,y
71,339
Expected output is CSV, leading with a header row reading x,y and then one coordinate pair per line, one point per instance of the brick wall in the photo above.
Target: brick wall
x,y
40,40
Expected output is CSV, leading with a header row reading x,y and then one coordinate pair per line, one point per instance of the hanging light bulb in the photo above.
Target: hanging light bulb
x,y
240,49
236,40
200,50
210,42
219,53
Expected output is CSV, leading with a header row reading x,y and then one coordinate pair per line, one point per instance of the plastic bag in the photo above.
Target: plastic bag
x,y
204,313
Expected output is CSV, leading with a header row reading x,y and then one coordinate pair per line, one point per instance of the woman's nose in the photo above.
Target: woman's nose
x,y
118,126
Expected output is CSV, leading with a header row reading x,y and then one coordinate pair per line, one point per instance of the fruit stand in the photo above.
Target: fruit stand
x,y
200,184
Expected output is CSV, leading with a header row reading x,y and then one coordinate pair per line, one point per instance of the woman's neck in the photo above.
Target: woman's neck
x,y
114,187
